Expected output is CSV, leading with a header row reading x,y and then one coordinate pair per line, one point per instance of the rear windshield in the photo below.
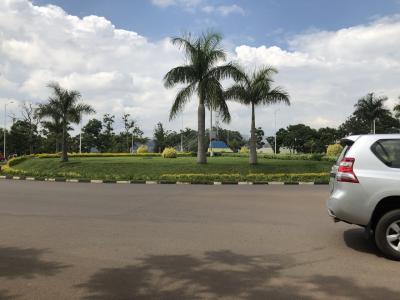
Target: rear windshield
x,y
346,148
388,152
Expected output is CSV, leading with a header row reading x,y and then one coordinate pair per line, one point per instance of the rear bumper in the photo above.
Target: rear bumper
x,y
348,205
335,218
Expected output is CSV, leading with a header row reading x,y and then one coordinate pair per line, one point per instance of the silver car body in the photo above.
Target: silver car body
x,y
355,202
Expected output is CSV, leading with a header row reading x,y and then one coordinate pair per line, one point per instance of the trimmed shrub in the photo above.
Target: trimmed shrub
x,y
142,149
311,156
169,153
244,150
334,150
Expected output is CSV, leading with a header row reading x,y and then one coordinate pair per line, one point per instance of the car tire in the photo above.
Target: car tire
x,y
386,228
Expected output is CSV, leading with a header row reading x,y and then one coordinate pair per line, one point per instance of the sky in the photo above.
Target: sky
x,y
328,53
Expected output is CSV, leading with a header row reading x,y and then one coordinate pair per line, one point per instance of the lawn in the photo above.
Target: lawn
x,y
149,168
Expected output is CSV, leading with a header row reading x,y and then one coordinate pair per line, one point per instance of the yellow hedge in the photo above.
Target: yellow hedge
x,y
244,150
142,149
334,150
169,153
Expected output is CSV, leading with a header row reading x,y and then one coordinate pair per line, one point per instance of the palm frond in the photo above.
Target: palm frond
x,y
230,70
187,44
276,95
181,99
237,92
182,74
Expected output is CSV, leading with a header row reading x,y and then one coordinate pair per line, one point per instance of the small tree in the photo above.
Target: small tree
x,y
63,106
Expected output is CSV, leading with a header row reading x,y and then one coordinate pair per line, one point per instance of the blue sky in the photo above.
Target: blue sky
x,y
262,22
329,53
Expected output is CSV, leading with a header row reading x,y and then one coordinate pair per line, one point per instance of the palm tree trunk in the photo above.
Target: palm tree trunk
x,y
64,156
211,150
253,151
201,129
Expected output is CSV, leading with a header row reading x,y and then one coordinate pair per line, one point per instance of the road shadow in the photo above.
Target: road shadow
x,y
221,275
26,263
5,295
356,240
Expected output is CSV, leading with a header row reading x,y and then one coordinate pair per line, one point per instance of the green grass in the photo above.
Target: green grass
x,y
150,168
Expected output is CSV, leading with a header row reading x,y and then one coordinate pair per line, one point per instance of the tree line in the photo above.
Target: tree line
x,y
370,115
47,128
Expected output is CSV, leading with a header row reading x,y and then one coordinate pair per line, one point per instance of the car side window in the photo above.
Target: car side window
x,y
388,152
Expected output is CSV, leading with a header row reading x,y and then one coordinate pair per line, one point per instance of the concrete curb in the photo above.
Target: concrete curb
x,y
96,181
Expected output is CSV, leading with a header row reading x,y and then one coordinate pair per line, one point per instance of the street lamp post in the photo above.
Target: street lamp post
x,y
80,134
5,128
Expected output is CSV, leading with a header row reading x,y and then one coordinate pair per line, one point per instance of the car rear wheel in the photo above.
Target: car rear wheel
x,y
387,234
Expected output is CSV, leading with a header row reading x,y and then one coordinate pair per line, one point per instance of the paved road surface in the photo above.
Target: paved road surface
x,y
89,241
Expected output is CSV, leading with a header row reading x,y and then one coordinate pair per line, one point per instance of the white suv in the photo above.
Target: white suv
x,y
365,188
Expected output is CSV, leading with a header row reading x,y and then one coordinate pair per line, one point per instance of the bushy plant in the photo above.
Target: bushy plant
x,y
244,150
142,149
169,153
334,150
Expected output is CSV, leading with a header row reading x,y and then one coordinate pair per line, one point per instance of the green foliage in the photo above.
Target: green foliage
x,y
334,150
91,135
169,153
368,109
259,138
18,138
313,156
153,167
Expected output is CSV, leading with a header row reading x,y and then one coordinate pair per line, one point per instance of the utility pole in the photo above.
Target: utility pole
x,y
80,134
5,128
132,144
374,126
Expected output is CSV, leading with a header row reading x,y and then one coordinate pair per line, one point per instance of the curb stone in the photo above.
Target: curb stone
x,y
97,181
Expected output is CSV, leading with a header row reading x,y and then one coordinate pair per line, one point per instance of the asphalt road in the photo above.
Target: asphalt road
x,y
99,241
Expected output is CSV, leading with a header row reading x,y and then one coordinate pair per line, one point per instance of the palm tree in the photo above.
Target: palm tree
x,y
397,110
255,89
370,108
53,126
201,75
63,107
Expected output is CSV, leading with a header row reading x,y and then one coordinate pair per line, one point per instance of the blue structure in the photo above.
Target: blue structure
x,y
218,146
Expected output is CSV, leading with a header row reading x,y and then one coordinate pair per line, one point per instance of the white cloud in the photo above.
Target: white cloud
x,y
121,71
224,10
184,3
326,72
192,5
115,70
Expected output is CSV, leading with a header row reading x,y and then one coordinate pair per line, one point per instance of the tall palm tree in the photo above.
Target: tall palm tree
x,y
371,108
63,107
256,89
201,75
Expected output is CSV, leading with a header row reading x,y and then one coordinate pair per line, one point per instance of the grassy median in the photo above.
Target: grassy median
x,y
155,168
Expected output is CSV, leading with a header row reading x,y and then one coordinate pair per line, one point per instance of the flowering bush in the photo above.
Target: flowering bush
x,y
169,153
244,150
334,150
142,149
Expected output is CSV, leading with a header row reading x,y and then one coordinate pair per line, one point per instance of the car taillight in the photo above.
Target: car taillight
x,y
345,171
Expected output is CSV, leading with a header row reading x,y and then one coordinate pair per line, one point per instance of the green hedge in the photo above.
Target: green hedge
x,y
57,155
208,178
312,156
